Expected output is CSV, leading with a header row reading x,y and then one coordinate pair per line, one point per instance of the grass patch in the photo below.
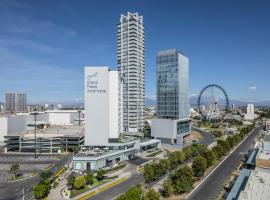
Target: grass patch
x,y
96,183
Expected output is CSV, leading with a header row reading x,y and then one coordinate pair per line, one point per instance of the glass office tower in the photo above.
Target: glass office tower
x,y
130,63
172,85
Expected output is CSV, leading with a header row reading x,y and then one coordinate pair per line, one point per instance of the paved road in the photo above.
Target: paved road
x,y
207,137
120,188
212,185
10,191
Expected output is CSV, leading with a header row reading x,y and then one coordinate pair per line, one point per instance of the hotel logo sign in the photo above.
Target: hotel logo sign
x,y
92,84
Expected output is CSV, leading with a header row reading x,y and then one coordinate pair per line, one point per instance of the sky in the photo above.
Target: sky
x,y
44,45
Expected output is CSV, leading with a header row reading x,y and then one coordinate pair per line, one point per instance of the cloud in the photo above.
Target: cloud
x,y
194,95
252,88
78,99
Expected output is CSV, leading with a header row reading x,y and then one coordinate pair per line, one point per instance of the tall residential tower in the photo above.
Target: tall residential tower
x,y
21,102
10,102
131,67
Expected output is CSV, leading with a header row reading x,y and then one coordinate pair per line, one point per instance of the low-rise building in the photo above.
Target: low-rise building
x,y
170,131
49,140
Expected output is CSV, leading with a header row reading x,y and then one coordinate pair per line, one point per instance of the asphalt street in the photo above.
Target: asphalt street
x,y
119,189
207,137
209,189
11,190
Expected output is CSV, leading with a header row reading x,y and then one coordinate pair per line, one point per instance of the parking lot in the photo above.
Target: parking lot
x,y
28,158
27,162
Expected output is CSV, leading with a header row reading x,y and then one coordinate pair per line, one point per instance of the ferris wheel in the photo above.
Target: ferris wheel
x,y
213,103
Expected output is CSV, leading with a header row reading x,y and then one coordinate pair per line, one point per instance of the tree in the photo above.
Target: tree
x,y
173,160
180,155
149,173
46,175
147,130
42,189
164,165
100,174
192,151
134,193
14,168
167,188
182,179
70,181
217,133
199,166
39,191
89,178
210,157
152,195
79,182
218,151
225,144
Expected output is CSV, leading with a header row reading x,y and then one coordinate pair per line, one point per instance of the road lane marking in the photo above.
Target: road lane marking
x,y
194,189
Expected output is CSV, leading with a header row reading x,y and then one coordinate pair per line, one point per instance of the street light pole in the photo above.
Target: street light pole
x,y
35,113
79,111
35,135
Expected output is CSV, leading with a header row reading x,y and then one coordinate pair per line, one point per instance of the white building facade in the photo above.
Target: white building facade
x,y
250,115
101,105
131,67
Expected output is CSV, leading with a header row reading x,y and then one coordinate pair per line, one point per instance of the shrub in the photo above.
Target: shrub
x,y
100,174
79,182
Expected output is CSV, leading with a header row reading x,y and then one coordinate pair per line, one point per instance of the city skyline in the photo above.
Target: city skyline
x,y
43,53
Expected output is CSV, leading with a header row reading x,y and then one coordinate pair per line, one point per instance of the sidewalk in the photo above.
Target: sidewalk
x,y
55,193
122,177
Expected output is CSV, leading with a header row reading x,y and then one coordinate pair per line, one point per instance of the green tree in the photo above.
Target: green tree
x,y
46,175
149,173
173,160
152,195
100,174
192,151
164,165
225,144
41,190
167,188
14,168
180,156
210,157
199,166
79,182
231,141
134,193
70,181
89,178
218,151
147,130
182,179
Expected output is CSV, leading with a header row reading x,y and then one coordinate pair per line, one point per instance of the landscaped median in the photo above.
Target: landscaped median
x,y
102,189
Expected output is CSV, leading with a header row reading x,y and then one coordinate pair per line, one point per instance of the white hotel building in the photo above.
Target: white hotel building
x,y
104,146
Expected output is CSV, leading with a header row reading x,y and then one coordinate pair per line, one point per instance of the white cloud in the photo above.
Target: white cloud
x,y
252,88
194,95
79,99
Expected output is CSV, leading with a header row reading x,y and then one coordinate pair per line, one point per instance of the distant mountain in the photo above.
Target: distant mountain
x,y
194,100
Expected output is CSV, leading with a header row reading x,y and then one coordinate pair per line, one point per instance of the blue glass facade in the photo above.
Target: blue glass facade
x,y
172,85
